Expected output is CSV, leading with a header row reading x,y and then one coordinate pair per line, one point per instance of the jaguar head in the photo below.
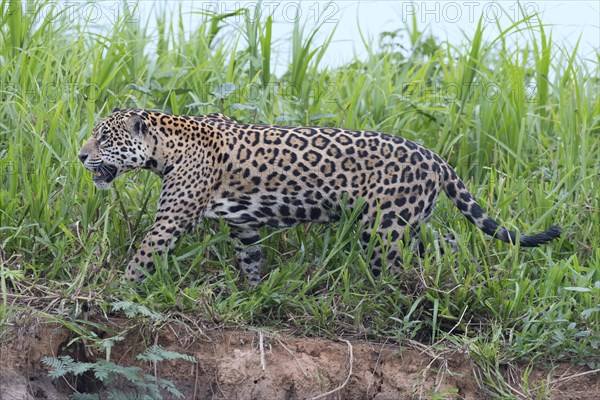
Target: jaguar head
x,y
118,144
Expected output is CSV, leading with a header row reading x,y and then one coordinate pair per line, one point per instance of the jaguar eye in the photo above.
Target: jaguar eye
x,y
103,138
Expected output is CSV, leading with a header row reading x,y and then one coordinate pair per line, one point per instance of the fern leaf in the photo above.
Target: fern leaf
x,y
157,353
65,365
132,310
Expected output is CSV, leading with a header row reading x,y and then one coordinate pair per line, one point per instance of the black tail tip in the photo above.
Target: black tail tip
x,y
541,238
553,232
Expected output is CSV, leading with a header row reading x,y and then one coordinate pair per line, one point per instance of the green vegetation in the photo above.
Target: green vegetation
x,y
520,124
146,386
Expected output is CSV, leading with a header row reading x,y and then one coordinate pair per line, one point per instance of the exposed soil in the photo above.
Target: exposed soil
x,y
229,367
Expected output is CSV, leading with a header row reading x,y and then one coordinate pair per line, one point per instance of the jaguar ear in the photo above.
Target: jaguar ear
x,y
137,126
116,110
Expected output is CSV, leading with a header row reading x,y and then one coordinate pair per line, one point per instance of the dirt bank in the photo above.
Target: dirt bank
x,y
231,365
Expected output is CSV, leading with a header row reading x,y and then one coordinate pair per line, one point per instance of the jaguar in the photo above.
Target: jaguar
x,y
253,176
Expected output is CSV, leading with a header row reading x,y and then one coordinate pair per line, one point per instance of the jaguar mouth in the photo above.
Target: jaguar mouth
x,y
104,174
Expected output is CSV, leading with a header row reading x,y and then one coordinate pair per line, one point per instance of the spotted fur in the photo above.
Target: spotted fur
x,y
253,176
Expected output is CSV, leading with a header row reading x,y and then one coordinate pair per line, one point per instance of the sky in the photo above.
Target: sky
x,y
567,20
449,19
452,20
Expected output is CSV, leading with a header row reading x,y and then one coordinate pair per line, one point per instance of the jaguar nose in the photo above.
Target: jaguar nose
x,y
82,157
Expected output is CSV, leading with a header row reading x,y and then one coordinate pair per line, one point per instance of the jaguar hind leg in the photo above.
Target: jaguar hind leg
x,y
249,254
451,241
385,245
421,249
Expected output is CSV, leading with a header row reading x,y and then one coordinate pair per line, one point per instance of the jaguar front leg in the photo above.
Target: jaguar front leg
x,y
173,219
161,238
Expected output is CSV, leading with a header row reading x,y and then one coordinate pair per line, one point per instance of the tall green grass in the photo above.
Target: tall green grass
x,y
520,124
